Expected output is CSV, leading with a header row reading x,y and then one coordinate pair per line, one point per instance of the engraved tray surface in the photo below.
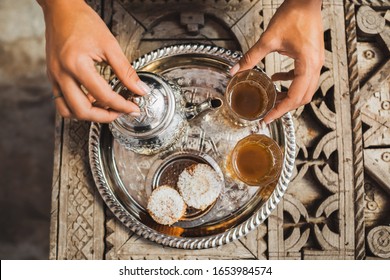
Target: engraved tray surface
x,y
125,179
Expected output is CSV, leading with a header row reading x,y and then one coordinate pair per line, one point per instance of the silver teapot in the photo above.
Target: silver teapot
x,y
164,115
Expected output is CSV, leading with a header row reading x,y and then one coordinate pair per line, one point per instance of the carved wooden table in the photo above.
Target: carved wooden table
x,y
338,204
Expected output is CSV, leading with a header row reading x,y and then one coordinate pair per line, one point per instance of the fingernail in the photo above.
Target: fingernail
x,y
135,114
268,121
234,69
143,87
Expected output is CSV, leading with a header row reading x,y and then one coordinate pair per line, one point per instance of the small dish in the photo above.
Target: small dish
x,y
166,171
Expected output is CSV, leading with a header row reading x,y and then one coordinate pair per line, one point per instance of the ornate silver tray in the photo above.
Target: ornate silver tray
x,y
125,179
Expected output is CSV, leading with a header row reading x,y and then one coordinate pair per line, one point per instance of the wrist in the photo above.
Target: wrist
x,y
306,2
48,4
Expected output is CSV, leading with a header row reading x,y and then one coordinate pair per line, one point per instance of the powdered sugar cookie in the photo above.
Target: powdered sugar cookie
x,y
166,206
199,185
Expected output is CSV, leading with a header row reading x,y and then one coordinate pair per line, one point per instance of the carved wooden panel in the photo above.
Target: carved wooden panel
x,y
77,216
142,26
338,202
316,218
372,113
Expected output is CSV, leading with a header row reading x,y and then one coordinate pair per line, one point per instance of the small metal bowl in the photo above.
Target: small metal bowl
x,y
167,170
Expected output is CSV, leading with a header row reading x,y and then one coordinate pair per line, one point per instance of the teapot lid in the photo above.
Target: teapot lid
x,y
156,108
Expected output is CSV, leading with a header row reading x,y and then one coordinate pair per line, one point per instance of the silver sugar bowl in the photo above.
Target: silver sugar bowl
x,y
164,115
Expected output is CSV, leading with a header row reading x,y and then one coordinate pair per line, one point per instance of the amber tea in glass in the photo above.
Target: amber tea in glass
x,y
249,95
256,160
248,100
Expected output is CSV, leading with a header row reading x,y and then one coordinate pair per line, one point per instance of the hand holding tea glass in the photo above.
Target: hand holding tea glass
x,y
296,31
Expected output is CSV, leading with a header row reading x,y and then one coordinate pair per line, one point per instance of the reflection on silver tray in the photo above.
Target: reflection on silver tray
x,y
125,179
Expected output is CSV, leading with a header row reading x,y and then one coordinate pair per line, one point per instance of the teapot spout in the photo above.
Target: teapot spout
x,y
209,104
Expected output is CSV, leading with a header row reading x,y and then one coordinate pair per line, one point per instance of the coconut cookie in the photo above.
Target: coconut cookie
x,y
199,185
166,206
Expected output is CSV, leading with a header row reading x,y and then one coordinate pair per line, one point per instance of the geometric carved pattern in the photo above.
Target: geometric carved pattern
x,y
80,203
142,26
317,214
375,112
369,68
335,206
80,211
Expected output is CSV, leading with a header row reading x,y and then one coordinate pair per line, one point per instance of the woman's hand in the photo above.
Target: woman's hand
x,y
76,38
296,31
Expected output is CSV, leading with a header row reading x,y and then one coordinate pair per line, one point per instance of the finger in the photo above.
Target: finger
x,y
281,95
313,85
100,90
283,76
60,103
255,54
87,94
125,72
81,107
90,98
310,92
294,97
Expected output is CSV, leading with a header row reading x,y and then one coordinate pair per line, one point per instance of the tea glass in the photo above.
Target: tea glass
x,y
255,160
247,81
